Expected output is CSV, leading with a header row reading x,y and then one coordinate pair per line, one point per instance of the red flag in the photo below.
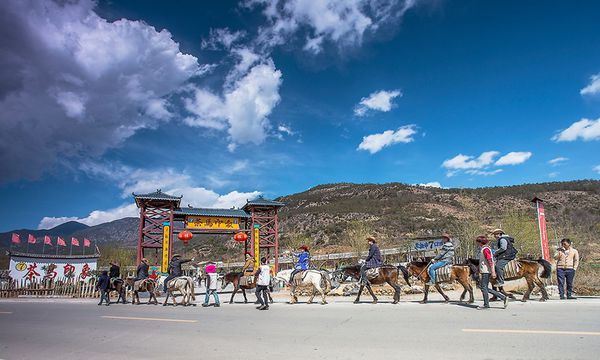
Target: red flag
x,y
16,239
47,240
87,243
31,239
60,241
74,241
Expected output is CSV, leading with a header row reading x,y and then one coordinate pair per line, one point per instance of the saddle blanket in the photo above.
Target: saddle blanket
x,y
247,280
372,273
443,274
511,270
138,284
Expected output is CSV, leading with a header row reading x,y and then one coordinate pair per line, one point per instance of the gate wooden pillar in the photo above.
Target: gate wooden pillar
x,y
155,209
263,214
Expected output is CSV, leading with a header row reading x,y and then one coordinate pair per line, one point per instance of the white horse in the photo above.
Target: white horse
x,y
183,284
313,278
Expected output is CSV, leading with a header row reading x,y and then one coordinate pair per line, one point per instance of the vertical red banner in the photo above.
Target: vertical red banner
x,y
543,232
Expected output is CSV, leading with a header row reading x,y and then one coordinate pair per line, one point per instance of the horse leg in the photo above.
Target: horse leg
x,y
425,294
166,299
439,289
323,300
360,289
235,289
312,295
529,289
270,297
244,293
396,291
540,284
293,298
372,293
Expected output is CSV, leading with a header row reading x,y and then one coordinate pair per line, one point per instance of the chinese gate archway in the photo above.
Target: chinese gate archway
x,y
158,209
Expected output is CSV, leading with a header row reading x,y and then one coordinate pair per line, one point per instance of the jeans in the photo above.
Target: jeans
x,y
561,276
363,273
294,273
483,285
104,297
261,295
170,277
433,267
500,264
214,294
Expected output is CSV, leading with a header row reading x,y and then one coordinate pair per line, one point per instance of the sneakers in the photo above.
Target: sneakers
x,y
562,297
264,308
204,305
505,302
571,298
483,308
217,305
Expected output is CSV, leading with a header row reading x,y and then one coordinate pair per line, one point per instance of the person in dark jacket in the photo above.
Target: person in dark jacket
x,y
373,260
115,271
505,252
175,269
142,270
102,285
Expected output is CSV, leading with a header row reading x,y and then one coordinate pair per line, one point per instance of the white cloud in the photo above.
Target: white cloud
x,y
141,181
244,107
483,172
585,129
379,100
375,142
514,158
553,174
593,88
557,161
597,169
343,23
74,84
461,161
222,39
433,184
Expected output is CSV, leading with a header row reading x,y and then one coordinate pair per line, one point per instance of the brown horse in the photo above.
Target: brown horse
x,y
118,285
458,273
147,285
234,278
387,274
531,270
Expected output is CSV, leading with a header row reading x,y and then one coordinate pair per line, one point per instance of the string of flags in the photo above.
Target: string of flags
x,y
16,239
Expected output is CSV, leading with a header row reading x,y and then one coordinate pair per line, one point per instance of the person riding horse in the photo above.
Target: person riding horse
x,y
303,261
175,269
248,264
142,270
505,252
114,272
442,259
372,261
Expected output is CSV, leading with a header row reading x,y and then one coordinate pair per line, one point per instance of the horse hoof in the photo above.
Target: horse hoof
x,y
422,302
542,300
324,303
164,304
394,302
374,302
356,302
523,300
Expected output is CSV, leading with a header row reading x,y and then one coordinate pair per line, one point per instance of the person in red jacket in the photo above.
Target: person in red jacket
x,y
487,269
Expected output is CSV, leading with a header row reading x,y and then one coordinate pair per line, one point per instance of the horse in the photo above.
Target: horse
x,y
458,273
315,278
146,285
183,284
387,274
118,285
234,278
531,270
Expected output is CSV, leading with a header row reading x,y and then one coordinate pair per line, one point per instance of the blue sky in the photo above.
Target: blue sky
x,y
222,101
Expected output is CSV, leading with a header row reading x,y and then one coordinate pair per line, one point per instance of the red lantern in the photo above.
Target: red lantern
x,y
185,236
241,237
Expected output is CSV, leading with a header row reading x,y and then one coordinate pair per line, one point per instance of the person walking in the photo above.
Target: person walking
x,y
567,261
102,285
487,269
262,284
505,252
445,257
211,284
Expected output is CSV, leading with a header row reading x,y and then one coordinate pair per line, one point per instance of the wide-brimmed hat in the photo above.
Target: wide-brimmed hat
x,y
497,231
175,256
446,236
144,260
114,263
370,238
303,247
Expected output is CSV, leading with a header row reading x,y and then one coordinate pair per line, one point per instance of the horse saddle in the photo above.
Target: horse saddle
x,y
247,280
372,273
511,270
443,274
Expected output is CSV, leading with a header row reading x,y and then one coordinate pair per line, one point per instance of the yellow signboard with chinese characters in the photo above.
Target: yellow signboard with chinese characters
x,y
164,266
256,248
212,222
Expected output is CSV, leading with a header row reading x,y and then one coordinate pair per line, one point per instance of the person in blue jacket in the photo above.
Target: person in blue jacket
x,y
102,285
303,261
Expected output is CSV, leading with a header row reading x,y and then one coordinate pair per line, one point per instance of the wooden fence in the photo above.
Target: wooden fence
x,y
67,287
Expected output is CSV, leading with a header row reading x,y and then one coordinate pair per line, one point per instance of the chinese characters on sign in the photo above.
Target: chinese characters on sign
x,y
211,222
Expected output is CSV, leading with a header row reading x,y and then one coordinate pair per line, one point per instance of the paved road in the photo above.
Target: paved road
x,y
79,329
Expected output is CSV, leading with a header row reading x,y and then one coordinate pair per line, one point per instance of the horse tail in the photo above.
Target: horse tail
x,y
547,268
405,273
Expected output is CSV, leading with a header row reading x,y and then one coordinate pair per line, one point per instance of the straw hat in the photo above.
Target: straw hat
x,y
497,231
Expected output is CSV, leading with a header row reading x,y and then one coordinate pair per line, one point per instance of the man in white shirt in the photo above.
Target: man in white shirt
x,y
262,284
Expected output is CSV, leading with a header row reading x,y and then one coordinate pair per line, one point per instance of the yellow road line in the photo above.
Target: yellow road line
x,y
148,319
543,332
5,312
